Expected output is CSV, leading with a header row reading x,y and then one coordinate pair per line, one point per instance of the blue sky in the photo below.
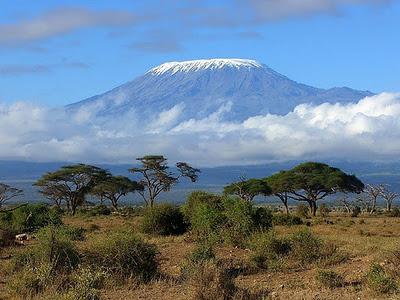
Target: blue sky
x,y
58,52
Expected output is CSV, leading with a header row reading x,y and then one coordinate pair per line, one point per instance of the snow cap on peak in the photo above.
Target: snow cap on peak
x,y
204,64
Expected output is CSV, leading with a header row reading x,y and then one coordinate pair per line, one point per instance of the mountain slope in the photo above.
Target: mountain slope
x,y
195,89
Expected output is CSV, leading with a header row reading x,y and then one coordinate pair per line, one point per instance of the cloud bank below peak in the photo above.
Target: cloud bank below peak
x,y
366,130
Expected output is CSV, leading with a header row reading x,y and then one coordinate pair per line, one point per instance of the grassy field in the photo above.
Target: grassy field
x,y
365,239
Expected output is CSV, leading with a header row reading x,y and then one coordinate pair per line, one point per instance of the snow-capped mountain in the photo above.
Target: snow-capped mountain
x,y
235,88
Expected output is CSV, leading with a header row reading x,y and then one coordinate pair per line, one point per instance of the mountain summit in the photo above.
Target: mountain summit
x,y
234,88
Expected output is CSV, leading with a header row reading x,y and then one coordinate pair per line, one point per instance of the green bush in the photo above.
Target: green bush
x,y
329,279
124,255
379,281
305,246
239,222
200,198
269,250
206,220
73,233
302,210
286,220
30,218
262,218
163,219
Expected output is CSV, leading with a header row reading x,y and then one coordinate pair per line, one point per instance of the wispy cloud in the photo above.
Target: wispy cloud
x,y
26,69
58,22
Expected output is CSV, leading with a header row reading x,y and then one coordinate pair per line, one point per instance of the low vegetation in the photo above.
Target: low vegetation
x,y
212,247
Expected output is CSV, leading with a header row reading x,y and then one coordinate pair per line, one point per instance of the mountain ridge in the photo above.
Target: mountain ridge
x,y
201,87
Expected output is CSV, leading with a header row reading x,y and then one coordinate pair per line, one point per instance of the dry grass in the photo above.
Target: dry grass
x,y
367,241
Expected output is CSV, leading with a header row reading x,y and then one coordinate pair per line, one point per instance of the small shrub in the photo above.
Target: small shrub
x,y
356,211
53,248
379,281
86,282
211,281
329,279
306,247
125,255
6,237
324,210
262,218
202,253
163,219
286,220
131,211
30,280
43,264
330,255
99,210
395,212
302,210
268,250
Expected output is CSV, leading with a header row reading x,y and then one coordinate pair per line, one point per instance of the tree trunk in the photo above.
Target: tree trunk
x,y
287,208
313,207
388,206
114,204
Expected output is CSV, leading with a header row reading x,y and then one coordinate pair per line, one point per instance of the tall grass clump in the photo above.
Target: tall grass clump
x,y
329,279
163,219
124,256
269,250
379,281
44,264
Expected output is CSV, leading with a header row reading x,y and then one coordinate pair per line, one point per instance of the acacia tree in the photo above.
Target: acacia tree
x,y
71,184
157,177
7,193
248,189
388,196
373,192
312,181
114,187
281,184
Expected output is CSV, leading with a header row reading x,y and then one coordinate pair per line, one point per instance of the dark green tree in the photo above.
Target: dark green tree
x,y
281,184
7,193
248,189
157,177
114,187
71,183
312,181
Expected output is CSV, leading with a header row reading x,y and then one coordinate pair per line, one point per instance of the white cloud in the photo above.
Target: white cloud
x,y
367,130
